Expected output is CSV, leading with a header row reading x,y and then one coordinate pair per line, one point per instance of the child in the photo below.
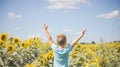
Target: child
x,y
61,52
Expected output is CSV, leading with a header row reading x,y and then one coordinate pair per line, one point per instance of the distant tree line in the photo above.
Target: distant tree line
x,y
93,42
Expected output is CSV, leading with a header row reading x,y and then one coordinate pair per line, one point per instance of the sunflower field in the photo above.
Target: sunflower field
x,y
32,52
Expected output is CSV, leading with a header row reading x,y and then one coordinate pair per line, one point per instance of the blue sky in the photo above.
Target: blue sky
x,y
24,18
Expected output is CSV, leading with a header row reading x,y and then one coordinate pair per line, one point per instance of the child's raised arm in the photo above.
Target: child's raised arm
x,y
47,34
78,38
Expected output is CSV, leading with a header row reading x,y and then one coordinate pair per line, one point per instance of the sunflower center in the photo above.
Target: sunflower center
x,y
23,45
16,40
3,37
10,48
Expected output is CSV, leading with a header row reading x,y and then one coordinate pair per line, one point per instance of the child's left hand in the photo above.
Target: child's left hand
x,y
84,30
45,26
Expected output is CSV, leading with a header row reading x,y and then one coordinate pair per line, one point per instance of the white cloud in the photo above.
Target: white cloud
x,y
34,35
113,14
12,15
66,4
18,16
67,30
17,28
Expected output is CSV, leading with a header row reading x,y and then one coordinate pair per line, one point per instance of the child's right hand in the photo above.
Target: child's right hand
x,y
45,26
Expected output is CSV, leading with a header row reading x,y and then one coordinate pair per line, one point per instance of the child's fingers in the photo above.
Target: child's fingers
x,y
84,30
44,25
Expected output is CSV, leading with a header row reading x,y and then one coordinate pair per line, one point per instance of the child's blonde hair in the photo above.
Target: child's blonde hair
x,y
61,39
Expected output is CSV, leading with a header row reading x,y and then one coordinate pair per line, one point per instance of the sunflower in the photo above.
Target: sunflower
x,y
16,40
49,55
79,45
10,48
44,61
73,54
29,65
29,41
41,55
24,45
96,59
36,44
94,64
91,52
3,37
38,39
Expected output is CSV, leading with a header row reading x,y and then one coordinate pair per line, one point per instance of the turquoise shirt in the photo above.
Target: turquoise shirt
x,y
61,56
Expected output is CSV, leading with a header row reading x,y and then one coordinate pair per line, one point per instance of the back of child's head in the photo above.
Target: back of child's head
x,y
61,39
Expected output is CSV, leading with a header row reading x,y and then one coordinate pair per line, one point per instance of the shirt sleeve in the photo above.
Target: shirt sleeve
x,y
53,46
69,48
